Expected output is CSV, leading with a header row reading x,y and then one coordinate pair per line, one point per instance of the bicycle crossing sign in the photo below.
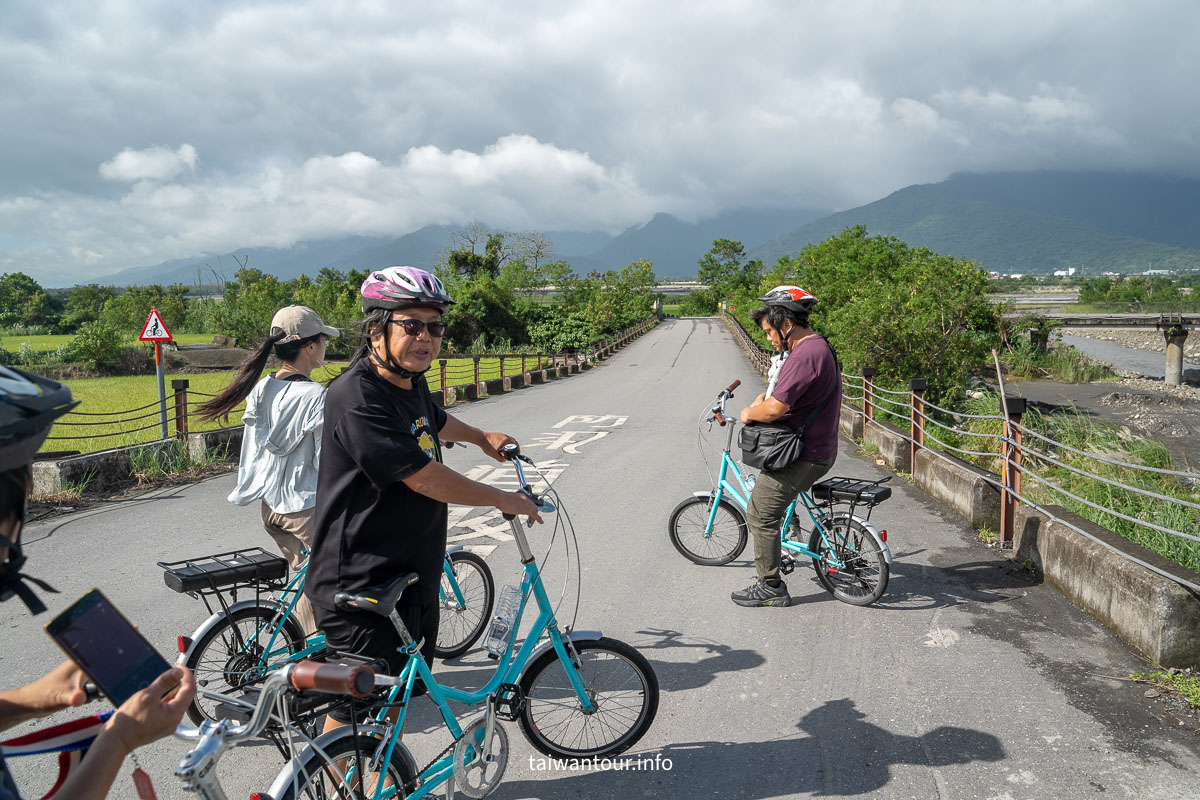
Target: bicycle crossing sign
x,y
155,330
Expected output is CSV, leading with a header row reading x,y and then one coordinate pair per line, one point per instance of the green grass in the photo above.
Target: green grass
x,y
106,395
1187,684
39,344
48,343
1189,307
1090,436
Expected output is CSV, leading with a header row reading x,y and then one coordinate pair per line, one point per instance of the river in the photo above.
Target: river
x,y
1144,362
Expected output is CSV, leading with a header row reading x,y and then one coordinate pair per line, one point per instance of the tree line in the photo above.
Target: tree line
x,y
511,295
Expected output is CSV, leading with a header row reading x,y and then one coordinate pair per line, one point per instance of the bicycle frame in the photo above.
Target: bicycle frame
x,y
315,643
509,670
742,498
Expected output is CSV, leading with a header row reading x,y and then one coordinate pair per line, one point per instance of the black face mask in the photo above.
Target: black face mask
x,y
12,580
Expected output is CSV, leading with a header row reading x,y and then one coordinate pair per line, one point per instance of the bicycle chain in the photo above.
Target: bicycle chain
x,y
410,785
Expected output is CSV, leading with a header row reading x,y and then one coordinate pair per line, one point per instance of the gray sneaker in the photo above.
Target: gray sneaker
x,y
762,594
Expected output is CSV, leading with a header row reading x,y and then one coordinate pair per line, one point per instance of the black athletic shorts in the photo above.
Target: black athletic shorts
x,y
366,634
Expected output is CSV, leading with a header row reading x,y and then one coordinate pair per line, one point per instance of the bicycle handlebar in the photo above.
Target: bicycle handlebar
x,y
355,680
719,409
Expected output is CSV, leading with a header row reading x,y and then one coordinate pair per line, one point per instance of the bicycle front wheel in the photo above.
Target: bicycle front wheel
x,y
235,654
622,687
851,564
317,778
460,624
700,544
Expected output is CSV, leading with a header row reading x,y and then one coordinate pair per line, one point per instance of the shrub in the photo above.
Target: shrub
x,y
98,344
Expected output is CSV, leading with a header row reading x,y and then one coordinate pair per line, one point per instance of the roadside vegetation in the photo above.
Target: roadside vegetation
x,y
127,393
511,297
1083,433
1184,682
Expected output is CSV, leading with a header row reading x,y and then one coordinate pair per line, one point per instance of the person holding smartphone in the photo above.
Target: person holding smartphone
x,y
28,407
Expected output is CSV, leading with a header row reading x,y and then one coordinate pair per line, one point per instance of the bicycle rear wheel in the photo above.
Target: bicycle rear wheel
x,y
699,544
317,780
621,684
851,564
461,624
234,654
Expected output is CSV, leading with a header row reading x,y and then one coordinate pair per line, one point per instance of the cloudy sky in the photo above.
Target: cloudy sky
x,y
134,131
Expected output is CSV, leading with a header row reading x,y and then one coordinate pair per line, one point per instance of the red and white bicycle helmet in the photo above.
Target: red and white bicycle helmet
x,y
398,287
793,298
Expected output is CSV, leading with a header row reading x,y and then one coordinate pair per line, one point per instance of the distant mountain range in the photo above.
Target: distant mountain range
x,y
673,245
1033,222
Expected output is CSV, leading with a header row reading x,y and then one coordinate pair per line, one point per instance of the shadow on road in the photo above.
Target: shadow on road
x,y
708,659
914,586
839,753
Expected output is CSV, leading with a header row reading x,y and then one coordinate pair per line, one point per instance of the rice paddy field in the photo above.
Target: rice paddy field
x,y
114,412
48,343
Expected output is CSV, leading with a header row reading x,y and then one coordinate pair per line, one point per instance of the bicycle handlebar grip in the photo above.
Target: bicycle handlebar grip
x,y
720,417
733,386
356,681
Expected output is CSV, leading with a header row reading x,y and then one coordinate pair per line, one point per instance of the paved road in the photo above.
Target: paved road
x,y
966,681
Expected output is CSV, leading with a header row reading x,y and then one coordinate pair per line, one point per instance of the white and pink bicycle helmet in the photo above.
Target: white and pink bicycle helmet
x,y
399,287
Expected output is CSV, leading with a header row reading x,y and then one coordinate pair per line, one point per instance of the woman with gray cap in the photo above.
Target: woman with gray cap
x,y
281,445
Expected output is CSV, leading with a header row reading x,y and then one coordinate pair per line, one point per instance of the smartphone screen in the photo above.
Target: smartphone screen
x,y
107,647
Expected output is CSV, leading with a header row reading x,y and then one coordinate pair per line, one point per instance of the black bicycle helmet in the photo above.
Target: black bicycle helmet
x,y
29,405
793,298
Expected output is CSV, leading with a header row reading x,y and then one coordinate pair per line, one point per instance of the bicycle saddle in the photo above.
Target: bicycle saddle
x,y
381,599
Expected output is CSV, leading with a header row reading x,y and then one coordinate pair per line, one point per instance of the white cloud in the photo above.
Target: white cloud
x,y
153,163
329,117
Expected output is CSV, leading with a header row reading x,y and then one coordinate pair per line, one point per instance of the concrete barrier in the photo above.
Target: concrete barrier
x,y
227,441
109,470
962,486
891,442
494,387
1151,612
850,422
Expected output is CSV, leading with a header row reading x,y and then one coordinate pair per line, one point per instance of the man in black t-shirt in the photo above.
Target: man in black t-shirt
x,y
382,491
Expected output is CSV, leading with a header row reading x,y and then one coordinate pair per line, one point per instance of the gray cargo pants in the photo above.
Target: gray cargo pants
x,y
773,493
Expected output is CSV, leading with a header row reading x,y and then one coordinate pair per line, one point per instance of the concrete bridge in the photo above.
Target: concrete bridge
x,y
1175,328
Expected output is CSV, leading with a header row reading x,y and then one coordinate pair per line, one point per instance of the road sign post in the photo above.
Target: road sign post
x,y
155,330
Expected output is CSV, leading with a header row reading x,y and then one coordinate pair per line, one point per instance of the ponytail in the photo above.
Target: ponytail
x,y
374,320
243,383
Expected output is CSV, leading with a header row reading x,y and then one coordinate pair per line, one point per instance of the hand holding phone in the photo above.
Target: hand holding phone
x,y
107,647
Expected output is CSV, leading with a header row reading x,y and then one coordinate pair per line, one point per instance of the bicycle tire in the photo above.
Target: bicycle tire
x,y
221,665
551,716
864,578
723,544
317,782
460,627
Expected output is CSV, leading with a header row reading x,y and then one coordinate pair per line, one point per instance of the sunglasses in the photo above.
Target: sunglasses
x,y
413,327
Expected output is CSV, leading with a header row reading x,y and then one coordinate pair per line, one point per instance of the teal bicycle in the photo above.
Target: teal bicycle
x,y
576,694
243,640
850,554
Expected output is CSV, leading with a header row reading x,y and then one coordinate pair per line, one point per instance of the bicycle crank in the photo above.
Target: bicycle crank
x,y
479,764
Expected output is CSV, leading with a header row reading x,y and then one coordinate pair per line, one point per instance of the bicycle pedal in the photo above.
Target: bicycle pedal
x,y
508,701
787,564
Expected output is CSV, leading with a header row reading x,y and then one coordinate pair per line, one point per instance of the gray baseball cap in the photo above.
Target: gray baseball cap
x,y
300,322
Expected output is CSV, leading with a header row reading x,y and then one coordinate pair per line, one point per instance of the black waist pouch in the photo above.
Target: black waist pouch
x,y
770,445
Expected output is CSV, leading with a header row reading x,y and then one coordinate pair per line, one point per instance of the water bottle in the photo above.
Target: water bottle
x,y
750,483
496,638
